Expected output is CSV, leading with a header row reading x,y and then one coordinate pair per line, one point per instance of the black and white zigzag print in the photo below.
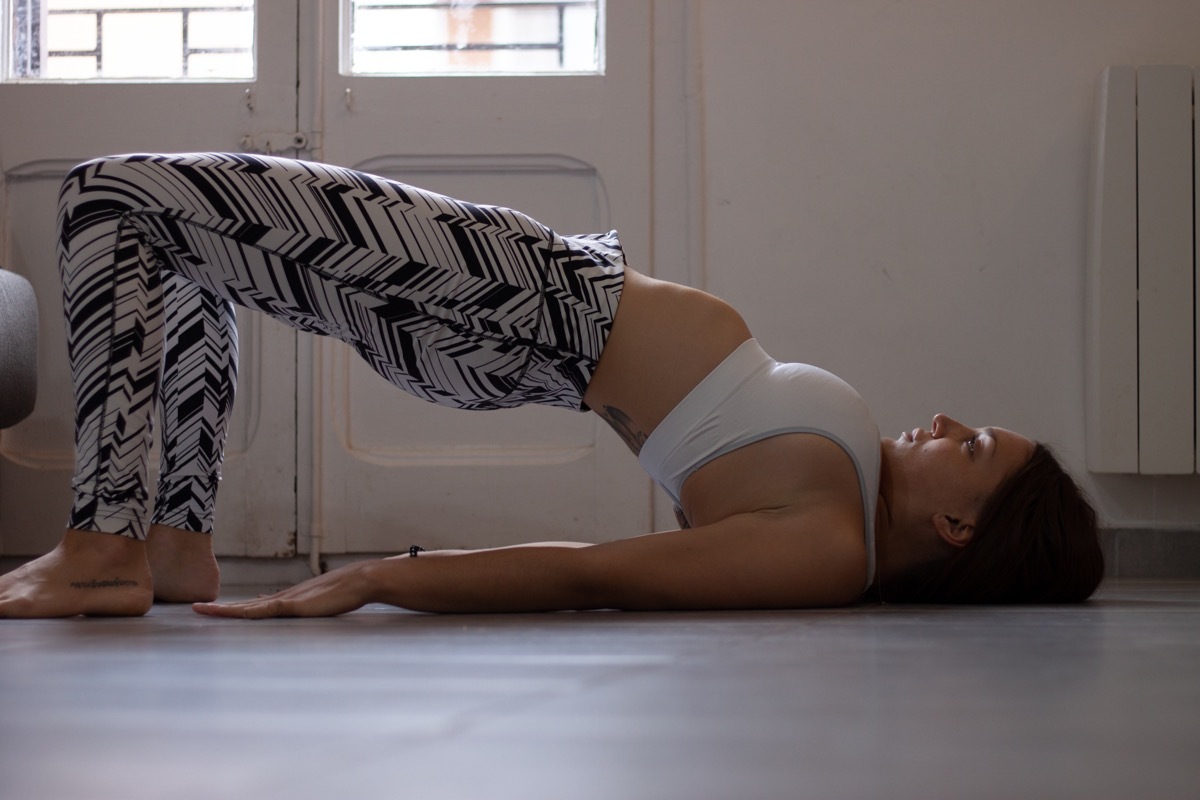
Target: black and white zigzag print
x,y
469,306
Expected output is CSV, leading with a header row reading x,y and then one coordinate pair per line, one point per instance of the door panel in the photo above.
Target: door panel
x,y
385,468
45,128
390,470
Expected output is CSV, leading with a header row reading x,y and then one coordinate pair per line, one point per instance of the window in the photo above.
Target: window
x,y
451,37
131,40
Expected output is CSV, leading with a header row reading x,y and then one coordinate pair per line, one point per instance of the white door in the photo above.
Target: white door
x,y
46,126
572,151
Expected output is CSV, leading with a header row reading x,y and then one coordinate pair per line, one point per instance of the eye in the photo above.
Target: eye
x,y
971,445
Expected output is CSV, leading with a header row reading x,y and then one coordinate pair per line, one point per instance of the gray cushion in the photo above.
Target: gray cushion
x,y
18,348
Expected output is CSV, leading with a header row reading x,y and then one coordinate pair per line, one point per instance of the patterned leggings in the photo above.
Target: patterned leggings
x,y
468,306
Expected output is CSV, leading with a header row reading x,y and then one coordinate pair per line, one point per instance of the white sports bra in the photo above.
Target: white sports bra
x,y
751,396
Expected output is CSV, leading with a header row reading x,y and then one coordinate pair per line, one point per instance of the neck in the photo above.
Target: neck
x,y
897,550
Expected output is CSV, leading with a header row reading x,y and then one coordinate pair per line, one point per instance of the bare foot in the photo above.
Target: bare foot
x,y
183,565
97,574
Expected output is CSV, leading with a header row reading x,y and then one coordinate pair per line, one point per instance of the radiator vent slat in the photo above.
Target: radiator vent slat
x,y
1142,295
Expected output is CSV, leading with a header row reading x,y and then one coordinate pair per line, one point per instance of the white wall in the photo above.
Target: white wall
x,y
897,191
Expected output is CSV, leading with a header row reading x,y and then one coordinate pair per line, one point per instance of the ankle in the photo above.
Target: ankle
x,y
108,547
183,565
176,542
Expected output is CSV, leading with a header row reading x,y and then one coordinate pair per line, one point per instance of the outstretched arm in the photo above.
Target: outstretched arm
x,y
769,559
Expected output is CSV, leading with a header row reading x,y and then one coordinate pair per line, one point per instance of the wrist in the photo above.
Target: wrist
x,y
367,576
379,579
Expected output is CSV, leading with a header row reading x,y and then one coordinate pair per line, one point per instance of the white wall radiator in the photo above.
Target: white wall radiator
x,y
1143,338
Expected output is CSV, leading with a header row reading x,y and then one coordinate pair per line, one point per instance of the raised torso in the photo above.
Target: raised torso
x,y
666,340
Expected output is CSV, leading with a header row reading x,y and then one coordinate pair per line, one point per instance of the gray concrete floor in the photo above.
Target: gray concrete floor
x,y
1100,700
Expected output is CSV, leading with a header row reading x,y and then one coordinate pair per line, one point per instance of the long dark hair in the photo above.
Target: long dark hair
x,y
1036,541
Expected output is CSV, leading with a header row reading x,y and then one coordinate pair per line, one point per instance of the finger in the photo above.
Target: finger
x,y
217,609
239,610
247,609
267,608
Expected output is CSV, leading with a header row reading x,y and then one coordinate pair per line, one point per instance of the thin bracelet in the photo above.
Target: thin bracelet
x,y
416,548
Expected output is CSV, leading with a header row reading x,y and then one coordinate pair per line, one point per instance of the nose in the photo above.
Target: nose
x,y
943,425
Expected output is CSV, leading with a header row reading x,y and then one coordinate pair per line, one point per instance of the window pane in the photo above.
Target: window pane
x,y
70,68
219,30
75,32
142,46
445,37
201,66
130,39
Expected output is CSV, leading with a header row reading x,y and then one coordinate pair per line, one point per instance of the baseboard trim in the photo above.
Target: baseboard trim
x,y
1151,552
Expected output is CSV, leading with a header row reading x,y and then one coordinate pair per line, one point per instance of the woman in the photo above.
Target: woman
x,y
785,495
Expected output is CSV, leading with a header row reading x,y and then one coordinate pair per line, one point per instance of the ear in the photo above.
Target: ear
x,y
952,531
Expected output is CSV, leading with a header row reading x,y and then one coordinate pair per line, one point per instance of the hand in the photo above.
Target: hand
x,y
337,592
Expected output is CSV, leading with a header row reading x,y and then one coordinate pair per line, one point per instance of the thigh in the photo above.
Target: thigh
x,y
353,226
452,301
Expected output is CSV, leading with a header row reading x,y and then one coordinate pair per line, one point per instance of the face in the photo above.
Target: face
x,y
951,469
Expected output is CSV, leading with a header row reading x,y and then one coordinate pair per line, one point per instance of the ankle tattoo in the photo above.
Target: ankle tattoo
x,y
95,584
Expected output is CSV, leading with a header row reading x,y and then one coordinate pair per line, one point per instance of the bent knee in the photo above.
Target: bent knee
x,y
108,166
